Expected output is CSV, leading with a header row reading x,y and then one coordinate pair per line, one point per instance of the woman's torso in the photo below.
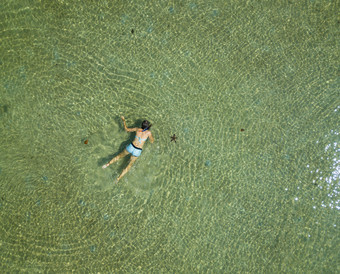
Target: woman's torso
x,y
140,138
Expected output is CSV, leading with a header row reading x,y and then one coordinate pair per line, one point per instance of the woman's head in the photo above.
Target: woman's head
x,y
146,124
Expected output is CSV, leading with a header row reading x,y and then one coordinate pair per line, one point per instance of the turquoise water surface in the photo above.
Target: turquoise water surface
x,y
251,90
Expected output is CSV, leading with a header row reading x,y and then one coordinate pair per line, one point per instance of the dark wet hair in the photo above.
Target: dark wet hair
x,y
146,124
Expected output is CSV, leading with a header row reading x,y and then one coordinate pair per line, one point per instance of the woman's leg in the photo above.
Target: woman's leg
x,y
120,155
132,160
115,159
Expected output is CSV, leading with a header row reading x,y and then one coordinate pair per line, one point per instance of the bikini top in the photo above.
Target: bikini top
x,y
140,139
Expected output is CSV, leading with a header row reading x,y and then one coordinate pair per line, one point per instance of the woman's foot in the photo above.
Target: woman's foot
x,y
105,166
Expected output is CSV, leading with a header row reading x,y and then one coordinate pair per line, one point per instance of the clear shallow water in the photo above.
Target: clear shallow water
x,y
218,200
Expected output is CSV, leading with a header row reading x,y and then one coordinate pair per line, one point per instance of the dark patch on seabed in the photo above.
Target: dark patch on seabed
x,y
3,108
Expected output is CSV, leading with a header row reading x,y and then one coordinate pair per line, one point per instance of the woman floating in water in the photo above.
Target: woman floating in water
x,y
135,148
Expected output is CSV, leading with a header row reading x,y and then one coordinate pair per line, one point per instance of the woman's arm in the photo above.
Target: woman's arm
x,y
126,128
151,138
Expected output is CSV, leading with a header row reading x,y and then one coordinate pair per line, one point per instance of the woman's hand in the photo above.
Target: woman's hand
x,y
122,118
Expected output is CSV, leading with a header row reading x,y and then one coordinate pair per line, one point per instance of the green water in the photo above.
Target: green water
x,y
219,200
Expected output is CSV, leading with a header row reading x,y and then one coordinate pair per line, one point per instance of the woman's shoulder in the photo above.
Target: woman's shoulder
x,y
145,133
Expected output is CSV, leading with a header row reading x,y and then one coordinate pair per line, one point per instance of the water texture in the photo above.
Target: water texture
x,y
251,90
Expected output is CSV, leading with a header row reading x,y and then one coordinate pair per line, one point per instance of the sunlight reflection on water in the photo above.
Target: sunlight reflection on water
x,y
333,181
